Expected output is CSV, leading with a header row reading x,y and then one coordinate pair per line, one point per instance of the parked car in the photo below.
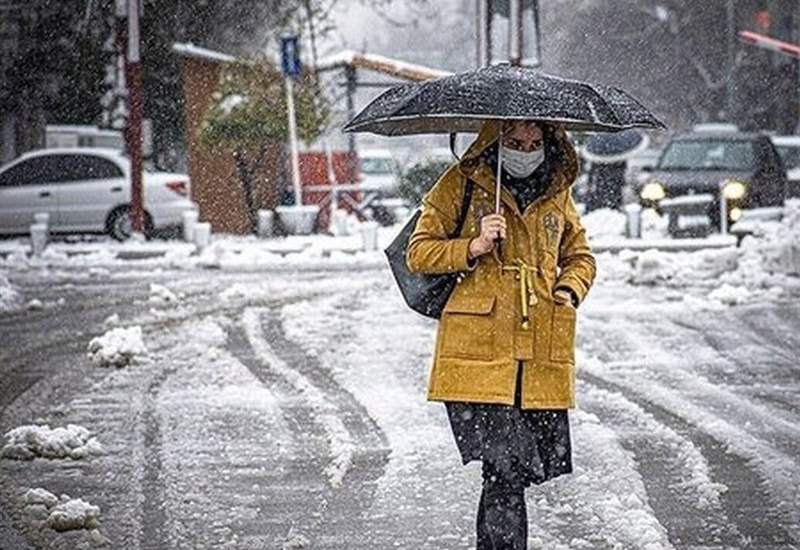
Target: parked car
x,y
789,149
86,190
379,182
379,172
699,169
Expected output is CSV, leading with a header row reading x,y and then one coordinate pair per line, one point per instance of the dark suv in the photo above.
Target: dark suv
x,y
698,170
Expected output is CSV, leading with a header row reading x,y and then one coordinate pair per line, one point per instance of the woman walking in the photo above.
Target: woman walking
x,y
504,361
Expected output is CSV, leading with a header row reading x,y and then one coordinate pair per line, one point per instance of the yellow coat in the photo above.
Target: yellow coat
x,y
481,337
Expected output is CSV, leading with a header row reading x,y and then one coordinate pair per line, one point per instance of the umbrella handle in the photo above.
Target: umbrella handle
x,y
499,242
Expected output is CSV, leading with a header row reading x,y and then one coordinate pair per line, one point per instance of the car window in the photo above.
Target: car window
x,y
19,174
789,155
35,171
376,166
708,155
87,167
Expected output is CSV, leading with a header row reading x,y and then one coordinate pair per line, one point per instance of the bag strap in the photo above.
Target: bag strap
x,y
462,215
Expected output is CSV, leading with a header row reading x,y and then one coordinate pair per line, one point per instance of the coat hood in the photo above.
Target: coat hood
x,y
564,171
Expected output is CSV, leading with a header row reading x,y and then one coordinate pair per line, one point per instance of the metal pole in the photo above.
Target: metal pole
x,y
723,211
134,133
331,177
352,84
731,59
515,32
481,11
298,195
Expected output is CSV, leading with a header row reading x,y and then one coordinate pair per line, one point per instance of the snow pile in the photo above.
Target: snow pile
x,y
62,514
773,247
119,347
29,442
9,297
160,294
766,265
651,267
730,295
604,222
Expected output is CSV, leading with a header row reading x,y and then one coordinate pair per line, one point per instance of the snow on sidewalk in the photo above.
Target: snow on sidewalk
x,y
765,267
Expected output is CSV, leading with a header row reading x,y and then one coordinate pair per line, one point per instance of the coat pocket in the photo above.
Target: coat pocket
x,y
469,327
562,334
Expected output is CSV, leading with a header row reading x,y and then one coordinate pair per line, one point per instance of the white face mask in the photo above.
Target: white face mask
x,y
521,164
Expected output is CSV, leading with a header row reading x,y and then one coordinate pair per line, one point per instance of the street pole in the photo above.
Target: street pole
x,y
515,32
134,133
482,15
298,195
352,86
331,177
731,60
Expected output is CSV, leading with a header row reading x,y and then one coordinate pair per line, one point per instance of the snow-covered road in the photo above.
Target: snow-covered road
x,y
290,406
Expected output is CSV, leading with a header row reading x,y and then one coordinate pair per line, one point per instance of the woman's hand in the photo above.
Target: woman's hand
x,y
563,298
492,226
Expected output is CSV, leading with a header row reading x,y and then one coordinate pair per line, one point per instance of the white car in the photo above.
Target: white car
x,y
789,149
379,172
86,190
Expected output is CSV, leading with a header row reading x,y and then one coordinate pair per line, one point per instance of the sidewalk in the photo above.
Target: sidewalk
x,y
320,246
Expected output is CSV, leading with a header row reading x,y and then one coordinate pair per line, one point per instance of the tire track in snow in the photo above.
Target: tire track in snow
x,y
658,363
358,449
755,514
327,415
677,478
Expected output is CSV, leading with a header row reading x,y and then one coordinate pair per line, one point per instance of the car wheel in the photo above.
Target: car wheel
x,y
120,224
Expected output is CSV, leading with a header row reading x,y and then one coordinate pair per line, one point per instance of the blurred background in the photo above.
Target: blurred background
x,y
214,111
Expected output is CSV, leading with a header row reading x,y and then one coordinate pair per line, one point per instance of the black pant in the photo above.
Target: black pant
x,y
502,517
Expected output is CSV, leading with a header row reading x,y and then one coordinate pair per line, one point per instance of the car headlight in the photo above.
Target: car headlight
x,y
653,191
733,190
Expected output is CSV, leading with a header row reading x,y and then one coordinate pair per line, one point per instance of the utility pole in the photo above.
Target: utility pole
x,y
133,132
290,63
731,13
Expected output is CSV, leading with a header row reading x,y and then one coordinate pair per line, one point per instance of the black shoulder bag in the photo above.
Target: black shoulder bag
x,y
423,292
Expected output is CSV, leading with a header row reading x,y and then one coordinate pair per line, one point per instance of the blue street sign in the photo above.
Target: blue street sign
x,y
290,56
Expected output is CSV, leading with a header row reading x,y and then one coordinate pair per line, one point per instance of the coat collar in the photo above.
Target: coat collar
x,y
473,166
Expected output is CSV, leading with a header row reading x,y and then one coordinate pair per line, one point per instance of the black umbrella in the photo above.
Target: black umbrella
x,y
463,101
610,148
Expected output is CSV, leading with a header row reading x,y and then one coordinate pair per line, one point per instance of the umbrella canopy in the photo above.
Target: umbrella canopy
x,y
612,148
463,101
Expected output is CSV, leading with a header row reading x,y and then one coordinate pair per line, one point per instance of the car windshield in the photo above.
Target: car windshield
x,y
790,156
708,155
377,166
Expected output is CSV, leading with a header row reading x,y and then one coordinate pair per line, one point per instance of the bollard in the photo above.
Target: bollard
x,y
189,221
633,220
369,235
202,235
266,224
38,238
339,222
42,218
